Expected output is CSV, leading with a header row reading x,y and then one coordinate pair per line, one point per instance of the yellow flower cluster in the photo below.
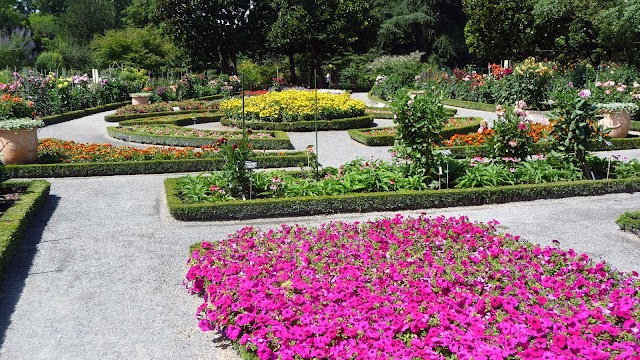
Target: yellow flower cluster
x,y
531,66
294,105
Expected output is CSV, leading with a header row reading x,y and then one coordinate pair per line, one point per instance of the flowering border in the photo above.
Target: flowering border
x,y
387,201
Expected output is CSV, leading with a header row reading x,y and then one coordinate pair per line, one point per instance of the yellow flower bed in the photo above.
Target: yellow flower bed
x,y
293,105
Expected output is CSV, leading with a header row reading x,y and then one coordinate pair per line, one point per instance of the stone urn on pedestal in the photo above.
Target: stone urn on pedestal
x,y
19,141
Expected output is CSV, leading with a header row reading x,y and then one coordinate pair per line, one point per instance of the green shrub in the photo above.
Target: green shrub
x,y
14,222
630,221
50,60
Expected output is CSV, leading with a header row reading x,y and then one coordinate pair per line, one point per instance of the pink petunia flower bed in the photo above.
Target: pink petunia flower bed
x,y
412,288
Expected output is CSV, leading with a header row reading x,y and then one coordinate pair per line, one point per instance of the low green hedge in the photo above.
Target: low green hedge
x,y
630,221
304,126
474,105
178,120
387,201
292,159
14,222
279,141
72,115
385,113
368,140
635,125
376,99
120,118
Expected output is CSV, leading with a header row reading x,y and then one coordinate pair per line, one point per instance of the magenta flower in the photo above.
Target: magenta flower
x,y
405,288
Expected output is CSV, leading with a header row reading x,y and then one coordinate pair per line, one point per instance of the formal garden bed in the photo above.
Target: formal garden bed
x,y
161,109
630,221
525,161
296,110
25,202
172,135
377,186
385,136
408,288
57,158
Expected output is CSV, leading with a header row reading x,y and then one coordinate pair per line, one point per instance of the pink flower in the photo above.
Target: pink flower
x,y
585,93
522,125
513,143
499,110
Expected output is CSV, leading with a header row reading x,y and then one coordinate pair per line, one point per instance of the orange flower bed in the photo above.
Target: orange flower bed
x,y
536,130
52,151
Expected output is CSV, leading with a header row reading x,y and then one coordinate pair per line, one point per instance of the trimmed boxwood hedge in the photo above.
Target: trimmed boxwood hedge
x,y
388,201
279,141
635,125
385,113
474,105
120,118
14,222
388,140
72,115
178,120
630,221
292,159
304,126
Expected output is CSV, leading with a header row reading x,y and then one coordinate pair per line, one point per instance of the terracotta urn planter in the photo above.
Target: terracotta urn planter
x,y
618,121
19,146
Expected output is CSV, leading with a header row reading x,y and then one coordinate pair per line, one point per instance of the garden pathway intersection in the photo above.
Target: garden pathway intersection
x,y
99,274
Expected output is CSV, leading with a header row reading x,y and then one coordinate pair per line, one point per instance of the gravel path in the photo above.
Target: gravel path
x,y
99,275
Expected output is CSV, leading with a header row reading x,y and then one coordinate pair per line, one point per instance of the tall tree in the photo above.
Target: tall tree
x,y
619,31
319,28
564,29
433,27
86,18
212,32
499,29
10,17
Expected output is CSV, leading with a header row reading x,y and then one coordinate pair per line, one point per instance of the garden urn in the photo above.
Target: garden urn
x,y
140,98
19,140
618,121
617,118
19,146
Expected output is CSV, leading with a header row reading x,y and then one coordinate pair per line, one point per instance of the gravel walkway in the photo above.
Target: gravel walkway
x,y
99,275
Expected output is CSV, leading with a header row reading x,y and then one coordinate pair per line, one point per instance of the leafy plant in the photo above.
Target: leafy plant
x,y
576,126
419,123
236,173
